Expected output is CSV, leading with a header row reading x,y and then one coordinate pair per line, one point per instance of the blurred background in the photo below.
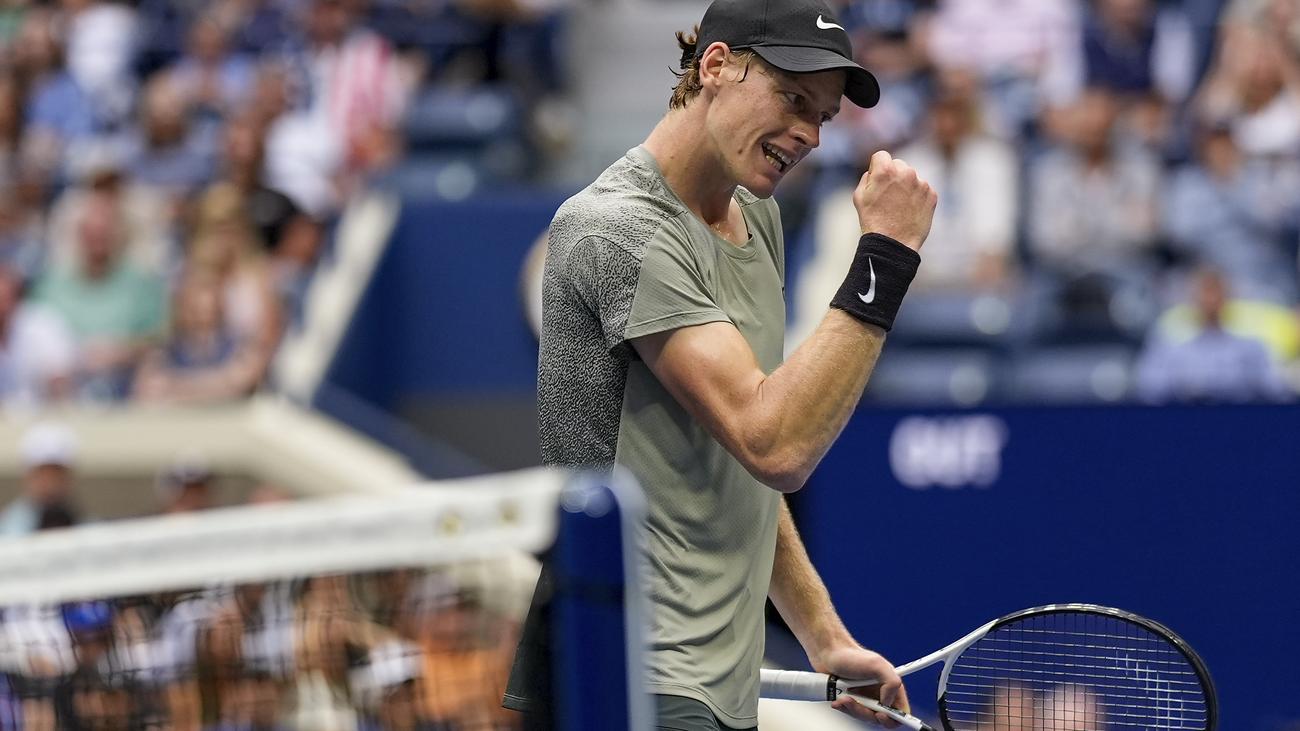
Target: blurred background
x,y
256,250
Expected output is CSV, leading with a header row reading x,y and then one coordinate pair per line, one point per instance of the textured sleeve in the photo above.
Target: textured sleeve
x,y
604,275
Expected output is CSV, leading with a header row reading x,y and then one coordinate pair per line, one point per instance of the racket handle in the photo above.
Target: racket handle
x,y
797,685
904,719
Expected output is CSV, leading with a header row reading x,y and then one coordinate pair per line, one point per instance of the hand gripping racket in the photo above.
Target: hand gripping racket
x,y
1062,667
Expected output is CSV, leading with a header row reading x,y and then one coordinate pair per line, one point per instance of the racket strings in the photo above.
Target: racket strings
x,y
1073,671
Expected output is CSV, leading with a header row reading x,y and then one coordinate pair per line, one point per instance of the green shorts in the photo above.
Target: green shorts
x,y
675,713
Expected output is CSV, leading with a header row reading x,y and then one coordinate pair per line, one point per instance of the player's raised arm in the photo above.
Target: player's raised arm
x,y
780,425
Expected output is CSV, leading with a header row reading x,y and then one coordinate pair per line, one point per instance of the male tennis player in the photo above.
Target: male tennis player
x,y
663,323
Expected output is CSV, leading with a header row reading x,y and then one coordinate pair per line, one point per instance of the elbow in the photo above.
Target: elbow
x,y
772,455
784,473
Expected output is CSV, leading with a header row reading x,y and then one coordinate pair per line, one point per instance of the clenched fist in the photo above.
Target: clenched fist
x,y
893,200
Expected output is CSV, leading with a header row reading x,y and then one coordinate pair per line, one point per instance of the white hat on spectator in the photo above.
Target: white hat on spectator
x,y
49,443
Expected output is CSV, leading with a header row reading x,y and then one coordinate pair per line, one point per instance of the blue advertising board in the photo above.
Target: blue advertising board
x,y
926,524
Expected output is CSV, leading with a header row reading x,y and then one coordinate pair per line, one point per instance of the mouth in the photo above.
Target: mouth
x,y
781,161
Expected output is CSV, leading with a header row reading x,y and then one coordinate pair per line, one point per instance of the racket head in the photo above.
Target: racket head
x,y
1076,667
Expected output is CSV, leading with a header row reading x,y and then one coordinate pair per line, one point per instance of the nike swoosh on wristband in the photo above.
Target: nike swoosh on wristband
x,y
870,296
827,26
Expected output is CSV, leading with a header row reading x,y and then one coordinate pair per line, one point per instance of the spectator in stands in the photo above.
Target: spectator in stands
x,y
1146,52
186,485
333,633
255,699
226,248
388,690
1025,52
167,153
182,619
93,93
99,700
100,694
37,352
146,216
100,55
202,360
49,454
57,110
260,27
1278,19
1249,204
1212,364
976,177
290,236
217,82
1093,204
1255,84
356,92
21,246
1137,49
461,638
250,628
115,310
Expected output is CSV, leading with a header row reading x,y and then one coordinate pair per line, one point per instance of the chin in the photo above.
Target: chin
x,y
761,185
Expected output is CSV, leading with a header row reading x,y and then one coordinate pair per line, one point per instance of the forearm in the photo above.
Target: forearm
x,y
801,597
802,406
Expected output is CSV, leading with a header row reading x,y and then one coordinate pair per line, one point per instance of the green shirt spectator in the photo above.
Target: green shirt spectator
x,y
114,310
124,304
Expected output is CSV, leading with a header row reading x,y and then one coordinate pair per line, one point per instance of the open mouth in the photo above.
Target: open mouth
x,y
777,159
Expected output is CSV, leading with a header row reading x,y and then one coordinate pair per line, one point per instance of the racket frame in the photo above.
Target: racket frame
x,y
835,686
954,650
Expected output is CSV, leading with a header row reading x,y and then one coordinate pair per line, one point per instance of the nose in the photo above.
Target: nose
x,y
808,135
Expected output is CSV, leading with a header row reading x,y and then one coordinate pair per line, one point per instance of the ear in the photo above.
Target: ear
x,y
713,65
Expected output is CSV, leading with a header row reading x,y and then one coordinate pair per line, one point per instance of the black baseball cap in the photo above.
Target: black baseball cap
x,y
799,36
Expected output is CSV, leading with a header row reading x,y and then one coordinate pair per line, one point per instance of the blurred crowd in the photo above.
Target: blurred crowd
x,y
394,650
1119,188
400,650
171,171
1120,182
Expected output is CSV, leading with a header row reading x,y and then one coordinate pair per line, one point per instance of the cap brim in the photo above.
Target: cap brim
x,y
860,86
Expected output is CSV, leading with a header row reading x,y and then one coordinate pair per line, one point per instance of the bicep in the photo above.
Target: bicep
x,y
712,373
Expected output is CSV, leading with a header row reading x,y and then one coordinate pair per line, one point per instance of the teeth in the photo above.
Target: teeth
x,y
777,158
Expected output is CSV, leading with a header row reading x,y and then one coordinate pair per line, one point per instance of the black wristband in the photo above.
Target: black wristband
x,y
881,272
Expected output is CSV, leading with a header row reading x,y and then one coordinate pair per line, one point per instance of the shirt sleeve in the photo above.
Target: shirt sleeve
x,y
604,275
673,290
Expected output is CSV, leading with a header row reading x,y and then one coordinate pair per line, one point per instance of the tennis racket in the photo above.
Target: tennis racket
x,y
1062,667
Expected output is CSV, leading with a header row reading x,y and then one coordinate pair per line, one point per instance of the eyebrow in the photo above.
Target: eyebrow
x,y
794,81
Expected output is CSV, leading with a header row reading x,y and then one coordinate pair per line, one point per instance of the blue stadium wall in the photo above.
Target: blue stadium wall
x,y
923,523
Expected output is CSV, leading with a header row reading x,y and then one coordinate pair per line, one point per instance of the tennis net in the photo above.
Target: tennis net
x,y
358,613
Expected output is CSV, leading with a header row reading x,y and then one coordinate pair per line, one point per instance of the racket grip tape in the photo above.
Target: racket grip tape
x,y
797,685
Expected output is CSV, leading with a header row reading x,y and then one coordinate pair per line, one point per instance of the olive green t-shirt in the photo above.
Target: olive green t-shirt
x,y
626,259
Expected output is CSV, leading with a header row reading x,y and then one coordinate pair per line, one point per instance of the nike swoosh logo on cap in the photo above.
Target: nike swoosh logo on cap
x,y
827,26
870,296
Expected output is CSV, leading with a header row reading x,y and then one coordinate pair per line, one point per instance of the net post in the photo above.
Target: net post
x,y
597,653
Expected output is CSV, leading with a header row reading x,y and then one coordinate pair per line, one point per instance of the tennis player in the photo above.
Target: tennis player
x,y
663,324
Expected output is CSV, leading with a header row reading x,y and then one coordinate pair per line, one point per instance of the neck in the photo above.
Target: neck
x,y
96,270
1096,156
690,165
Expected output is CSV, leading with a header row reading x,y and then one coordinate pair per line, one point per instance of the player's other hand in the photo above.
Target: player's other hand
x,y
859,663
893,200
